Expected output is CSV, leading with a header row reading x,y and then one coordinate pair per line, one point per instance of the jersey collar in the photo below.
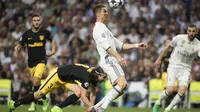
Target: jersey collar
x,y
100,23
190,42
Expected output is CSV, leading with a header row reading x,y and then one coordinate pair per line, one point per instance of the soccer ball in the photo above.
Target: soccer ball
x,y
115,3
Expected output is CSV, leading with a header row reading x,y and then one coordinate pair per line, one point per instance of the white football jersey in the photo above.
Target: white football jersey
x,y
104,39
184,51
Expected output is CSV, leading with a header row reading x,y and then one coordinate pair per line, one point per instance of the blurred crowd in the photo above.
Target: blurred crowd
x,y
71,22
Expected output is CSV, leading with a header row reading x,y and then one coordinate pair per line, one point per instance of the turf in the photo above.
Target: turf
x,y
3,108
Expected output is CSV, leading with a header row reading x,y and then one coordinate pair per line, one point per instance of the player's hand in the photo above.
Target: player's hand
x,y
50,53
122,61
157,63
91,109
17,47
141,45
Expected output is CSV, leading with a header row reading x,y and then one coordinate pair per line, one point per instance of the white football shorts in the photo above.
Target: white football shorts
x,y
180,74
112,67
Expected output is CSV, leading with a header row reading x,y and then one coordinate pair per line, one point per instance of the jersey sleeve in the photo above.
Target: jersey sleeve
x,y
102,39
85,84
23,39
118,44
174,41
49,36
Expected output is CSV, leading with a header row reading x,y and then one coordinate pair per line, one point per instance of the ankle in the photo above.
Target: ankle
x,y
158,102
101,108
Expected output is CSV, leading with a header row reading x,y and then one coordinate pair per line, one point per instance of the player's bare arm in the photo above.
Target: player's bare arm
x,y
121,60
132,46
164,51
84,98
53,49
92,90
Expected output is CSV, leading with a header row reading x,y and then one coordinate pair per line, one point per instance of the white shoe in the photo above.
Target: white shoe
x,y
167,110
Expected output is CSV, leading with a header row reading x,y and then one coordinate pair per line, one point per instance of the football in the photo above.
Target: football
x,y
115,3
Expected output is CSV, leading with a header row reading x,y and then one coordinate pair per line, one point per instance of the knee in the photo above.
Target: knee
x,y
38,94
36,82
170,90
122,85
182,90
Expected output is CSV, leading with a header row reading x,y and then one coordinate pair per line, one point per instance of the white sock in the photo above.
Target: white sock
x,y
114,92
163,96
100,102
175,101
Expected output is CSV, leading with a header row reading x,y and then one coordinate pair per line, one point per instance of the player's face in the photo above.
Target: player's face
x,y
36,22
103,14
102,77
191,31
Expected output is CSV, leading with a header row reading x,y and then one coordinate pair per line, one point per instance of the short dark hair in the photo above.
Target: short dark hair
x,y
192,25
98,71
97,8
34,15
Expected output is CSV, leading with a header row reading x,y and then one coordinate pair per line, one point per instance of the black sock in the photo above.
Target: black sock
x,y
25,100
44,97
69,100
36,88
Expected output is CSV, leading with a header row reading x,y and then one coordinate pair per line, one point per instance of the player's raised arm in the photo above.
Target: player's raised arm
x,y
113,53
132,46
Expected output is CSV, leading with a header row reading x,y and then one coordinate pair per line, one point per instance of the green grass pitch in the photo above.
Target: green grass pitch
x,y
3,108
